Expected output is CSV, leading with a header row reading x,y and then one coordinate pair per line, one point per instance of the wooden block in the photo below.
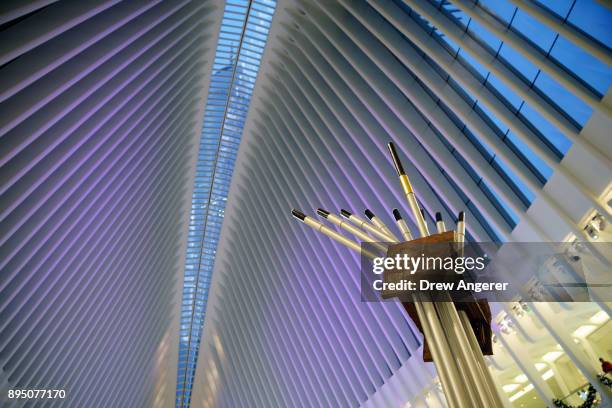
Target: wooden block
x,y
478,312
416,248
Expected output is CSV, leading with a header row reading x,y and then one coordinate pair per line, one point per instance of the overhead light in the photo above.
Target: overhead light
x,y
548,374
540,366
592,232
583,331
510,387
599,222
516,396
521,378
599,317
521,393
551,356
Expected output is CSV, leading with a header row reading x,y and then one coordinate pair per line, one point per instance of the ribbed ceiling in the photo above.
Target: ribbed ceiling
x,y
482,125
100,113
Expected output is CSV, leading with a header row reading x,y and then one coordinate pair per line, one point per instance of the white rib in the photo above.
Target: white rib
x,y
102,105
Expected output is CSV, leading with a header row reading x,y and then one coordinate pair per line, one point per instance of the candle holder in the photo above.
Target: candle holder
x,y
456,335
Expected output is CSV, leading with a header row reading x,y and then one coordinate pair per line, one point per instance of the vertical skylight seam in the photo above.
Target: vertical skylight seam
x,y
244,30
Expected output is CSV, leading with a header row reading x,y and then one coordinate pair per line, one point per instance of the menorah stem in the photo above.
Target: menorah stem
x,y
483,370
440,352
463,354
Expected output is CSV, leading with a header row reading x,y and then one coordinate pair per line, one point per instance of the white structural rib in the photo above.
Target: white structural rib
x,y
101,106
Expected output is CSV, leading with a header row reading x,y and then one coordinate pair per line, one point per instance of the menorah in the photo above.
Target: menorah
x,y
456,335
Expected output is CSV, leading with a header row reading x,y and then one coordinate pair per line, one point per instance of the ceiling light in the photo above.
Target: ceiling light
x,y
521,378
599,317
551,356
548,374
540,366
521,393
599,222
510,387
592,232
583,331
516,396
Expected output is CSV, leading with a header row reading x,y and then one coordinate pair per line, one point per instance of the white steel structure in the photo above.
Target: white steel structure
x,y
501,111
101,106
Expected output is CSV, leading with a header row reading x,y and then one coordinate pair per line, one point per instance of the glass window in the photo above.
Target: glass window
x,y
472,64
237,59
533,31
540,168
559,7
503,10
550,134
594,19
512,98
519,63
483,35
563,99
582,64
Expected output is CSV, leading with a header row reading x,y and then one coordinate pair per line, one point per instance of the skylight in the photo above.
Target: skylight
x,y
243,35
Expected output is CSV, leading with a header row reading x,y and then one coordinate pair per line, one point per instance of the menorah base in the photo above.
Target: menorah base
x,y
479,314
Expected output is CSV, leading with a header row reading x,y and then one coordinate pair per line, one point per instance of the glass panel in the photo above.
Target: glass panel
x,y
582,64
230,90
503,10
594,19
537,33
569,104
559,7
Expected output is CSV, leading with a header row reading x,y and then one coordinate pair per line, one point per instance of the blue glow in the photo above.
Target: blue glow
x,y
242,38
